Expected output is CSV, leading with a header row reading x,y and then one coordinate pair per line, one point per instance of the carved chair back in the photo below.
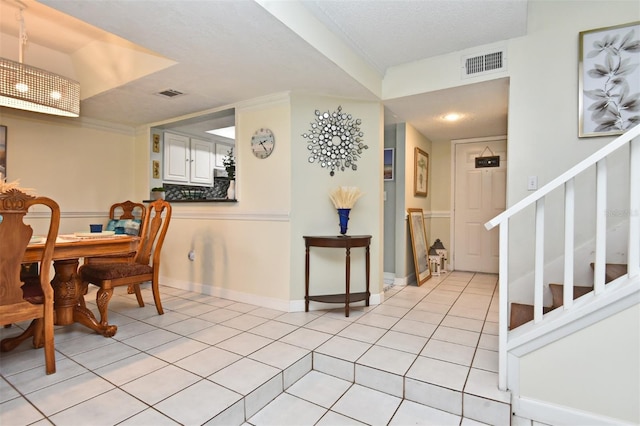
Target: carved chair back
x,y
15,236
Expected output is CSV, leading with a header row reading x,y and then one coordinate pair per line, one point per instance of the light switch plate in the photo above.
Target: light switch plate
x,y
532,183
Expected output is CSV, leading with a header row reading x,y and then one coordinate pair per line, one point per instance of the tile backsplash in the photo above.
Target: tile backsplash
x,y
190,192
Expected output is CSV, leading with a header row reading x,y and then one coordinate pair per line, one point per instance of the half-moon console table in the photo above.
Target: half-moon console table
x,y
345,242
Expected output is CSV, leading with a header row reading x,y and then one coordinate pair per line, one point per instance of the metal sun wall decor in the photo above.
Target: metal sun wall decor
x,y
335,140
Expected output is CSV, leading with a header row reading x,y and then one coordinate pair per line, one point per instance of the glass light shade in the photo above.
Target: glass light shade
x,y
34,89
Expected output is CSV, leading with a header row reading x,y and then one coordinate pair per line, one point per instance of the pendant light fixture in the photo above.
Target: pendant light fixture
x,y
34,89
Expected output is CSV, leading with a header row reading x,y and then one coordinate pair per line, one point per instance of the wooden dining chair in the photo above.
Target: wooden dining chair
x,y
20,301
124,213
145,266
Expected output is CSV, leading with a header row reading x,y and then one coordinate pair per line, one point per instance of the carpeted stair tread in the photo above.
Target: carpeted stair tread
x,y
613,270
557,290
521,314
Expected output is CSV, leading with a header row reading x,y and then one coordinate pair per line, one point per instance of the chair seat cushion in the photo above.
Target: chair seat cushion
x,y
31,291
111,271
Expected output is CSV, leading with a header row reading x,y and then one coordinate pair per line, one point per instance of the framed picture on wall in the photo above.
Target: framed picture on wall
x,y
609,87
3,152
156,143
156,169
420,172
418,233
389,164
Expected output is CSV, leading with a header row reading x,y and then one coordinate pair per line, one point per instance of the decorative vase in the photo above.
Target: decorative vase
x,y
231,191
343,214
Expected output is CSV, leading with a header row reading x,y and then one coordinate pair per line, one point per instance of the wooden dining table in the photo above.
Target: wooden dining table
x,y
66,281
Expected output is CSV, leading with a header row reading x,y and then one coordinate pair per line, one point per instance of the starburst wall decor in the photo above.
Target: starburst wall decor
x,y
335,141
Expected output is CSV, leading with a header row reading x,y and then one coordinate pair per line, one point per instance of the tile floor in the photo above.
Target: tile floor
x,y
427,355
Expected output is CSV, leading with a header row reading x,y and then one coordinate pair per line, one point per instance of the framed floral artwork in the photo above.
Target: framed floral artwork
x,y
420,173
609,80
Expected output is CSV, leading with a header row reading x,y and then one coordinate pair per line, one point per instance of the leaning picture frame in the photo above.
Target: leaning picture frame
x,y
608,86
389,163
418,233
420,173
3,152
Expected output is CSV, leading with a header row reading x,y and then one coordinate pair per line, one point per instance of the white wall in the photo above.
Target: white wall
x,y
251,250
413,140
84,168
312,212
242,249
441,189
543,112
390,194
543,109
595,370
543,141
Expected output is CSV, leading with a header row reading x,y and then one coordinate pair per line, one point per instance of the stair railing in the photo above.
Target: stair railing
x,y
630,138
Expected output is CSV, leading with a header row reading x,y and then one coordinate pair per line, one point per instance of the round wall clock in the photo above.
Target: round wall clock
x,y
262,143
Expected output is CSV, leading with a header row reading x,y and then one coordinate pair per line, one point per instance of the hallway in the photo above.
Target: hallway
x,y
427,355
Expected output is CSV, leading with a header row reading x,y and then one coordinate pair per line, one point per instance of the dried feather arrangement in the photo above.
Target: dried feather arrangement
x,y
345,197
8,186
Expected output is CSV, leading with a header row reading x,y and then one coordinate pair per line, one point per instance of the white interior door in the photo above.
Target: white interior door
x,y
479,195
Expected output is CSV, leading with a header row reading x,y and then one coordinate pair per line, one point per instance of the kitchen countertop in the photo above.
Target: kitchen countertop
x,y
200,200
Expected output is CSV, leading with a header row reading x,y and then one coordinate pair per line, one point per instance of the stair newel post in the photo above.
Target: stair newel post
x,y
538,274
601,226
503,301
633,261
569,230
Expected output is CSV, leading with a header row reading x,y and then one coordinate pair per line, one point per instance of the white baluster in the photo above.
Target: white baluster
x,y
633,261
601,226
538,277
569,230
503,300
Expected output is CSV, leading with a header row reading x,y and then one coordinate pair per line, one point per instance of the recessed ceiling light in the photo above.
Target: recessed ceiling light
x,y
452,116
225,132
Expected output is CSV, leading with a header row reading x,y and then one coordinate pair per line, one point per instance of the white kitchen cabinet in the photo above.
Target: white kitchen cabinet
x,y
188,160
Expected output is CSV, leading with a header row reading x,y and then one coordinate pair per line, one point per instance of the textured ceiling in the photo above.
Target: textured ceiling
x,y
221,52
388,33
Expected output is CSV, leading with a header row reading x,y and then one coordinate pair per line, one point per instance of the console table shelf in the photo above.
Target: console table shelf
x,y
346,242
340,298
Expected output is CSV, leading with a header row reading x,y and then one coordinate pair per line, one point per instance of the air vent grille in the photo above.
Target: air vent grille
x,y
170,93
474,65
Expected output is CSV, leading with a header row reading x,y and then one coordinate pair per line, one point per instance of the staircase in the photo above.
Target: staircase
x,y
613,247
522,313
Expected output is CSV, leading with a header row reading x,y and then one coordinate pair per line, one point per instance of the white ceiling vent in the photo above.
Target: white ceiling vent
x,y
479,64
170,93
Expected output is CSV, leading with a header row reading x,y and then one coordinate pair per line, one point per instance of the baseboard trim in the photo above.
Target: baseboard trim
x,y
254,299
552,414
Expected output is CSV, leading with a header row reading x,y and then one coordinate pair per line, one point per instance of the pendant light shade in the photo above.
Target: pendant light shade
x,y
34,89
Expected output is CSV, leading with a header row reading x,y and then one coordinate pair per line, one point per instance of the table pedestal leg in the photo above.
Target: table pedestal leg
x,y
347,281
10,343
67,294
306,279
66,291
